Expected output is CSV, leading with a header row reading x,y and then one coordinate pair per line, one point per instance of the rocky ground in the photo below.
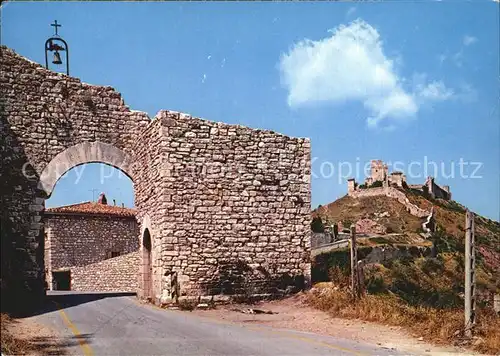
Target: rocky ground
x,y
29,337
294,313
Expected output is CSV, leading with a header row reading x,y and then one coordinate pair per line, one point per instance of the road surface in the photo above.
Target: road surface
x,y
111,324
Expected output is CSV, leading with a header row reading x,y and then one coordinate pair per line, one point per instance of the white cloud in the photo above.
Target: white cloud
x,y
350,12
350,65
468,40
434,91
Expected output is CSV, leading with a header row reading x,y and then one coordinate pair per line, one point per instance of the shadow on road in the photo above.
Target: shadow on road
x,y
20,339
56,345
61,300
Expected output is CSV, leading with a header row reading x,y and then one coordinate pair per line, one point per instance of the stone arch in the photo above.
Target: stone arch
x,y
82,153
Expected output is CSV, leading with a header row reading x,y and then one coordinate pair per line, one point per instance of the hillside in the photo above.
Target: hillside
x,y
388,212
384,210
417,291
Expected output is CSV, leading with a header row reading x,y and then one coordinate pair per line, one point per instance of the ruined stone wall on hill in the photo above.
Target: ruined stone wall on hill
x,y
391,193
117,274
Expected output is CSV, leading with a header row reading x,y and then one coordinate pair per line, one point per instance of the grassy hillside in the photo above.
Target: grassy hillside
x,y
424,294
348,210
450,218
449,215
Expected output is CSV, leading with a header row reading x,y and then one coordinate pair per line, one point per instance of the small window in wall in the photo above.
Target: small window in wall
x,y
61,280
112,253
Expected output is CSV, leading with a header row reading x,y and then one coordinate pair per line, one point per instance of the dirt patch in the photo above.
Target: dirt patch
x,y
293,313
26,337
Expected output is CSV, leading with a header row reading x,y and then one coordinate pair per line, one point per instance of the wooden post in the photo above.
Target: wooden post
x,y
354,263
361,278
470,277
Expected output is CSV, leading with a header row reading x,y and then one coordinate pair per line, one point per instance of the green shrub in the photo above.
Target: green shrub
x,y
317,224
376,184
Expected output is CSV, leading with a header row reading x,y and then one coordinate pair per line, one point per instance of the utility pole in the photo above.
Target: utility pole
x,y
354,263
470,276
119,195
93,194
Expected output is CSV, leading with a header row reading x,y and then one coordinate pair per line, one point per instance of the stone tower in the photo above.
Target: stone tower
x,y
378,170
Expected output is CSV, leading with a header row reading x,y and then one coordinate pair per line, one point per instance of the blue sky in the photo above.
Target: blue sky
x,y
399,81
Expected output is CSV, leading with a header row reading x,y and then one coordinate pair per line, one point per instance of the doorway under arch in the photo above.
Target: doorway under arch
x,y
147,266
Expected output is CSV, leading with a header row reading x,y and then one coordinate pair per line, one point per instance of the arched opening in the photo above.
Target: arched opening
x,y
147,266
91,231
82,153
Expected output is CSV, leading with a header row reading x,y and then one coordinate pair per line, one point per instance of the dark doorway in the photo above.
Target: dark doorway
x,y
147,266
61,280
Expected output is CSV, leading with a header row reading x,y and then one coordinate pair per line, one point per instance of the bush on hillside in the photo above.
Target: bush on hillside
x,y
317,224
376,184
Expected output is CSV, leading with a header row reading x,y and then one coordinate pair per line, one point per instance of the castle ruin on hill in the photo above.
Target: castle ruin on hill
x,y
381,178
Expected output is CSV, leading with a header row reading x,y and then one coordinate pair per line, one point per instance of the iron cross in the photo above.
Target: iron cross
x,y
56,25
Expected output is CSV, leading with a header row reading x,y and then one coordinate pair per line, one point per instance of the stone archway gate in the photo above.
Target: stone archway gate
x,y
219,198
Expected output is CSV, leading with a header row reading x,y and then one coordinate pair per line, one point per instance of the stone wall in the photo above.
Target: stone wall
x,y
80,240
118,274
320,238
392,193
42,114
436,191
150,201
234,201
218,200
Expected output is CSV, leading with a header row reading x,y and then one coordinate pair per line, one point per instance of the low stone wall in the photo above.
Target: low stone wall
x,y
330,247
338,254
381,254
118,274
320,238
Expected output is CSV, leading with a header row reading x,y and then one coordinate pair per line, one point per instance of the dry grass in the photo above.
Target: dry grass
x,y
10,344
425,294
438,325
22,337
348,209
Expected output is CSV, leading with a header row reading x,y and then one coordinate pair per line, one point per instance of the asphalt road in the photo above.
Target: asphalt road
x,y
120,325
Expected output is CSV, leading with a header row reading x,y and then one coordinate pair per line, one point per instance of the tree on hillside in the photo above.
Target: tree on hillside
x,y
317,224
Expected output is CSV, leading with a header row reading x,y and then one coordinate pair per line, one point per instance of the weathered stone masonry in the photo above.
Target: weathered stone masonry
x,y
231,199
82,234
118,274
42,114
227,207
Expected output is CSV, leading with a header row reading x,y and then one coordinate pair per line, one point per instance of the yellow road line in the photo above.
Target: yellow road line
x,y
87,350
311,341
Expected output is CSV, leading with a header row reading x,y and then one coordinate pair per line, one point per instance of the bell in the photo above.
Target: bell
x,y
57,58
